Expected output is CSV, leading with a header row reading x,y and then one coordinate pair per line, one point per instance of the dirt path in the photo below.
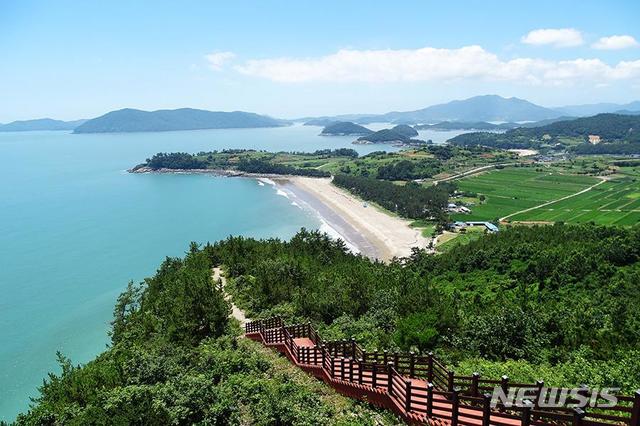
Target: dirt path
x,y
472,172
603,180
236,312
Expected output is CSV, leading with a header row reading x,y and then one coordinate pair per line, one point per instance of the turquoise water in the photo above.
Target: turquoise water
x,y
75,228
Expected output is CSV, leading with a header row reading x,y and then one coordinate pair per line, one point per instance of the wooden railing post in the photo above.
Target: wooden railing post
x,y
390,376
539,386
395,360
364,355
342,368
374,375
486,409
353,347
455,407
360,370
450,377
526,412
578,415
475,377
430,367
407,402
430,400
504,384
385,353
635,411
412,364
351,369
333,367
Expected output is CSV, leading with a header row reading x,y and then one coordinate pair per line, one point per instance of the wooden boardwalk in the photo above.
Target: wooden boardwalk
x,y
419,389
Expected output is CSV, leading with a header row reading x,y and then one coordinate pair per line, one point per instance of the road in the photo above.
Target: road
x,y
502,219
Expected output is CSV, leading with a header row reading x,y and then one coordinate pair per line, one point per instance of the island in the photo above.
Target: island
x,y
401,134
40,124
345,128
133,120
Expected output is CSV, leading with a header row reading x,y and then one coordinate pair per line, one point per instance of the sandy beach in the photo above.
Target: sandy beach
x,y
390,235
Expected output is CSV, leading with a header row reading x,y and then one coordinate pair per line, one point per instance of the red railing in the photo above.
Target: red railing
x,y
422,386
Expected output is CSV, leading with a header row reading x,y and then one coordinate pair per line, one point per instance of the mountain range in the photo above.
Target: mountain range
x,y
40,124
485,108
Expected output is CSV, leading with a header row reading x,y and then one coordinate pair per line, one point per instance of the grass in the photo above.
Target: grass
x,y
512,189
615,202
425,226
461,238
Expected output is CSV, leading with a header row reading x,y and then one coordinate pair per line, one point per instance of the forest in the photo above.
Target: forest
x,y
618,132
559,303
175,358
411,200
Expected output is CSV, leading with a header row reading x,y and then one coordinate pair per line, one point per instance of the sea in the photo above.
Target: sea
x,y
75,228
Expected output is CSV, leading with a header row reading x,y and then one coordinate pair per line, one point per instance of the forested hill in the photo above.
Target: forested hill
x,y
40,124
133,120
176,359
344,128
617,133
610,127
559,303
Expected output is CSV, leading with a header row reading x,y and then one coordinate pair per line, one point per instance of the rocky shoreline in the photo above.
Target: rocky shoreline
x,y
213,172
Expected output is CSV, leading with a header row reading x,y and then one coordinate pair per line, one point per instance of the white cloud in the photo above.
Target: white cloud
x,y
557,37
218,59
432,64
615,42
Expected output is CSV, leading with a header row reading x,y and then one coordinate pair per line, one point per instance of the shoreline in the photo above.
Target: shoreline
x,y
365,229
391,236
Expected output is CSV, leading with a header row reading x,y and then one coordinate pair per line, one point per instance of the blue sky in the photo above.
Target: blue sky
x,y
71,60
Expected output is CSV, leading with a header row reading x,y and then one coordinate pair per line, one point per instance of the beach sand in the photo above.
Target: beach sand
x,y
385,236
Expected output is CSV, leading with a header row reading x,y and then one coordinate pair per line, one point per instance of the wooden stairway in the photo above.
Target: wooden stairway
x,y
419,388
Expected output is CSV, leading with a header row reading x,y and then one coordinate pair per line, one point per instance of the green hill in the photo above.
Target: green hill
x,y
133,120
40,124
345,128
618,134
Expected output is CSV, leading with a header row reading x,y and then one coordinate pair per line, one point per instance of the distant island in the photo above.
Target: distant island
x,y
401,134
133,120
323,122
40,124
466,125
345,128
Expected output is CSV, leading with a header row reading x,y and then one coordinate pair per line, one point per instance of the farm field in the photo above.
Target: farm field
x,y
513,189
615,202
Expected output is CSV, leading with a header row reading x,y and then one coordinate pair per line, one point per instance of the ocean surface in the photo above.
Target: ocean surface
x,y
75,228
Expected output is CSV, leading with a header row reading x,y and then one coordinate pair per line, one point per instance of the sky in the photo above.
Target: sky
x,y
80,59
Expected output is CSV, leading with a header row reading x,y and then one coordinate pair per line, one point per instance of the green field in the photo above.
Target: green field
x,y
471,233
616,202
513,189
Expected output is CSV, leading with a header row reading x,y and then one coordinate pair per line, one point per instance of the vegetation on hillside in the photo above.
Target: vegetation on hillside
x,y
134,120
176,359
343,128
619,134
559,303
